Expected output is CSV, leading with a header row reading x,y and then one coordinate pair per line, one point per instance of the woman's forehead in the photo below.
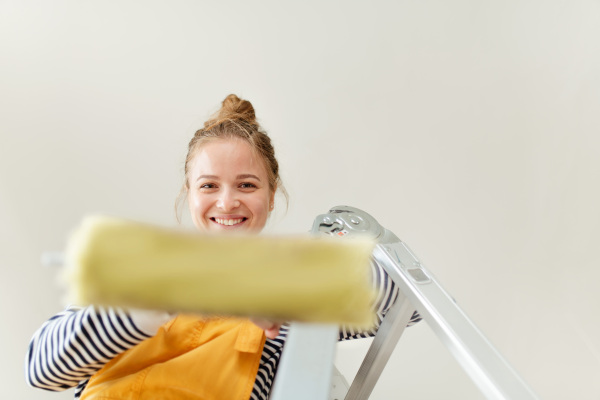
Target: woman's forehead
x,y
227,157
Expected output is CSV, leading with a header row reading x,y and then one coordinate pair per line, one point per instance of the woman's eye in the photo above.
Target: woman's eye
x,y
208,186
247,185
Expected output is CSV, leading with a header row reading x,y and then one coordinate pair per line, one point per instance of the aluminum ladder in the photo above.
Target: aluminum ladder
x,y
305,370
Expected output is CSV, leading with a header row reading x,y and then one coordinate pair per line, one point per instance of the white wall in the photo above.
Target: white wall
x,y
470,129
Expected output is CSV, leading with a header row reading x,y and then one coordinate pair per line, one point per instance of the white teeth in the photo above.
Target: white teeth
x,y
223,221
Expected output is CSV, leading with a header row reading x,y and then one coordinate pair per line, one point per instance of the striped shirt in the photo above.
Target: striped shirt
x,y
71,346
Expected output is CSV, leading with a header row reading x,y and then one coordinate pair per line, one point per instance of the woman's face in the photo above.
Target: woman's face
x,y
228,188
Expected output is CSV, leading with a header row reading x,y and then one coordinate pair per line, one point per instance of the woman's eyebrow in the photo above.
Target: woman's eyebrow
x,y
207,177
246,176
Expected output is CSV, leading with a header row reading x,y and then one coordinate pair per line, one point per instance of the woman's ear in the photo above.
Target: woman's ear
x,y
272,199
181,199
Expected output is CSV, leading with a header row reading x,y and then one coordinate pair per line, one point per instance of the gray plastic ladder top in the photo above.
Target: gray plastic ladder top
x,y
309,346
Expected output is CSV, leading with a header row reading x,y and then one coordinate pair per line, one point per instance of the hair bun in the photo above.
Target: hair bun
x,y
233,108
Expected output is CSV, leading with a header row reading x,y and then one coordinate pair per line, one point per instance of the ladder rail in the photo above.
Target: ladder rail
x,y
381,349
306,365
490,372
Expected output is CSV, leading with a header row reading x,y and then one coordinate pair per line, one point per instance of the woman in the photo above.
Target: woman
x,y
231,176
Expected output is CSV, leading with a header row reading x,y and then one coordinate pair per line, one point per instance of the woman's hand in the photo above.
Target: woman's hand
x,y
271,328
149,321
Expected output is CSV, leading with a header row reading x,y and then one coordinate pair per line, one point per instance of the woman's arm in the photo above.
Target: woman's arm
x,y
74,344
387,293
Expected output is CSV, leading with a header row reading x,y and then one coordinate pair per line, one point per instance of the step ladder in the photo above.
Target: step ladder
x,y
306,367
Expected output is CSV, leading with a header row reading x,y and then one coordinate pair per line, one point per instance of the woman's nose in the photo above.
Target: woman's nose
x,y
227,201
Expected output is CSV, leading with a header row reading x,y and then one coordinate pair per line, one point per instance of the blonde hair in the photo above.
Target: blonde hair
x,y
235,119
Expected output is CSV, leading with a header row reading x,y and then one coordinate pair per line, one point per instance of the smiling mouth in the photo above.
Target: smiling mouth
x,y
228,221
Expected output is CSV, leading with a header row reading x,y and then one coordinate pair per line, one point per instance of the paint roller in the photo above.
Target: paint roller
x,y
119,262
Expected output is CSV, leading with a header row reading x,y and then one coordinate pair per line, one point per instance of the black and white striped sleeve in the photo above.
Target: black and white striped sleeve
x,y
74,344
387,293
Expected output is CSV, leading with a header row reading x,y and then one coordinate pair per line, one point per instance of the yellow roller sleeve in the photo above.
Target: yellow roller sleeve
x,y
119,262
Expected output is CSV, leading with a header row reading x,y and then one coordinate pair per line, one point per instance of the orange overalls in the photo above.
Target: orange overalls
x,y
189,358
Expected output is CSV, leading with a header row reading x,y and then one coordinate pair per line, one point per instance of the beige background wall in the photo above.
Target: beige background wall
x,y
468,128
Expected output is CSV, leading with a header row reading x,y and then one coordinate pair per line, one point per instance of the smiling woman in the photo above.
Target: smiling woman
x,y
231,176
